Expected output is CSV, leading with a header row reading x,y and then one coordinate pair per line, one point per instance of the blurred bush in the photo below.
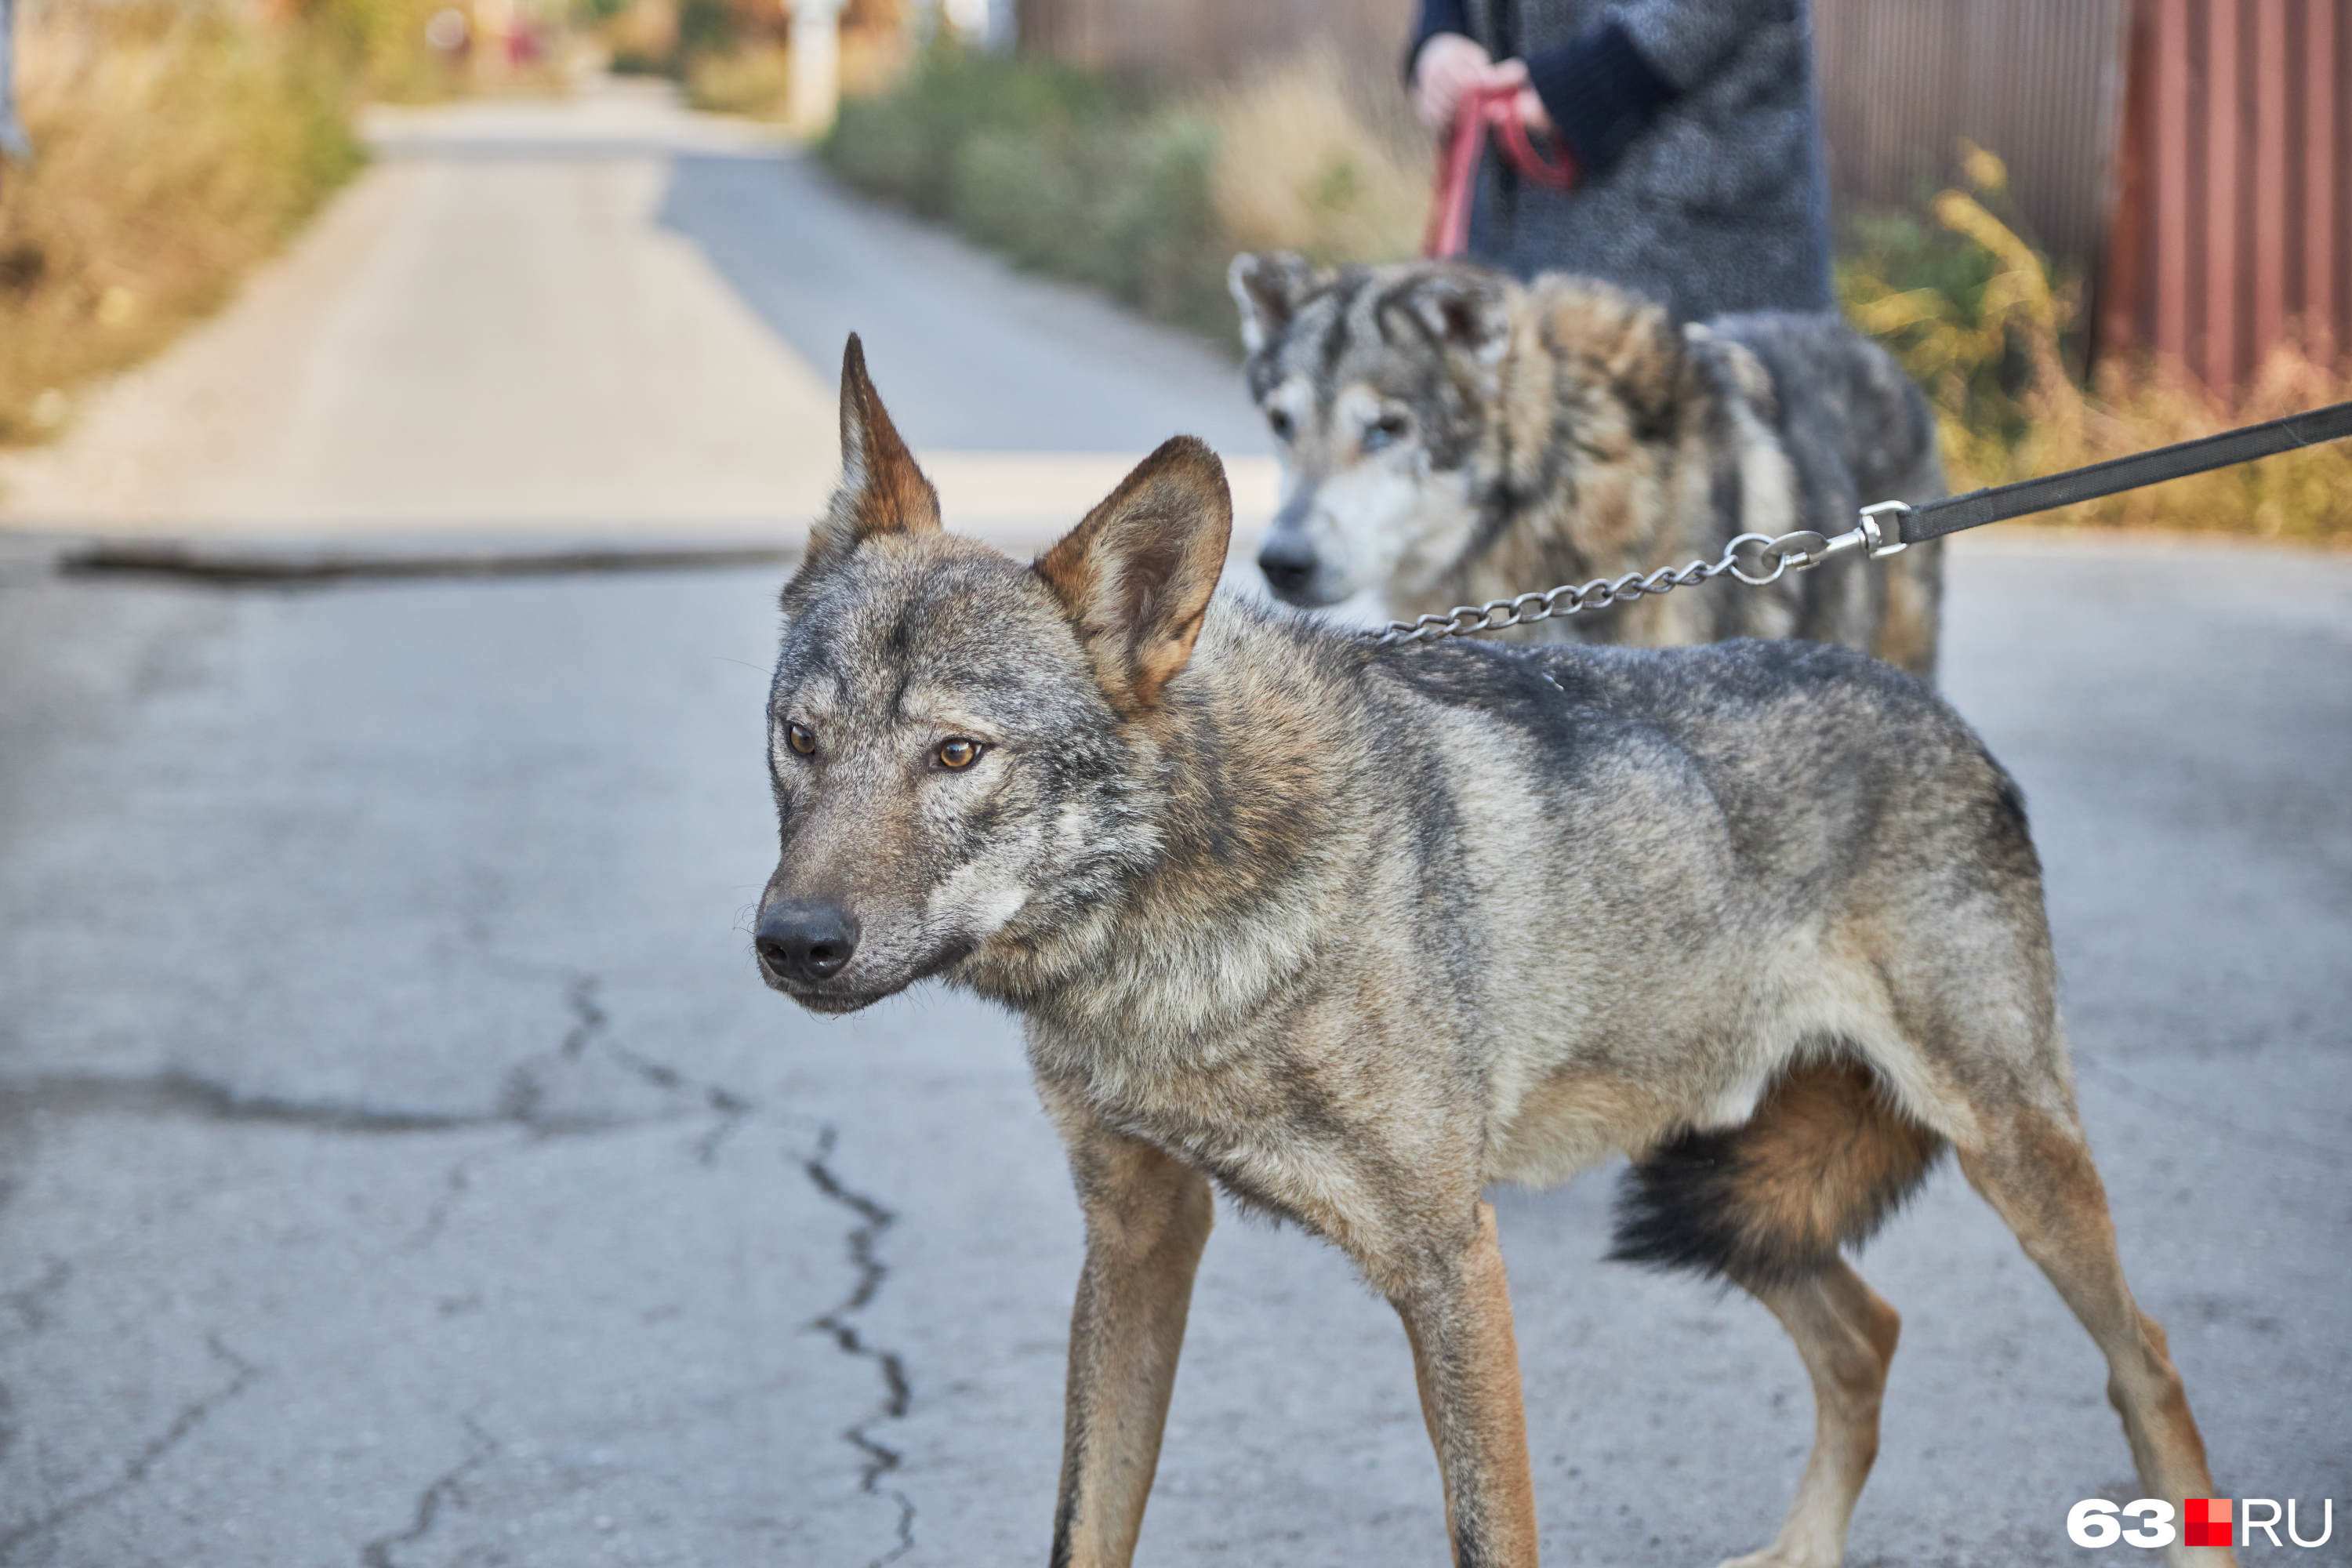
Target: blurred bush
x,y
733,57
1139,190
383,48
1977,316
752,80
642,36
174,144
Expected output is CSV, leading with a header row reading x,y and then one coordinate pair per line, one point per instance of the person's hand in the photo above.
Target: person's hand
x,y
1451,65
1528,105
1448,66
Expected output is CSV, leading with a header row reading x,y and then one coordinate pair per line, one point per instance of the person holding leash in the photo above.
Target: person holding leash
x,y
1693,131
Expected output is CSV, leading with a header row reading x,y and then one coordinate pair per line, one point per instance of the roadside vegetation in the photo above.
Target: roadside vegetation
x,y
1979,318
734,56
174,145
1147,192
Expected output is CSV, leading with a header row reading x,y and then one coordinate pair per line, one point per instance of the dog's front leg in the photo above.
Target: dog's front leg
x,y
1457,1313
1148,1217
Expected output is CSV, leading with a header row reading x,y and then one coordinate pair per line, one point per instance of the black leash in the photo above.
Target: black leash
x,y
1933,520
1888,527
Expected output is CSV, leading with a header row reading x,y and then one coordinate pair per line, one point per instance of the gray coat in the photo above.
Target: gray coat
x,y
1714,200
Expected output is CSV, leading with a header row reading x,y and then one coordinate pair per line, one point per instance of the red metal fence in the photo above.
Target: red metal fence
x,y
2233,217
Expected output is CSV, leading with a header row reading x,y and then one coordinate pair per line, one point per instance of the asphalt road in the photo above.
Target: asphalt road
x,y
400,1163
603,316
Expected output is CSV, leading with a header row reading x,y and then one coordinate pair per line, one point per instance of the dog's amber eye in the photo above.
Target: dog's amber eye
x,y
957,753
799,740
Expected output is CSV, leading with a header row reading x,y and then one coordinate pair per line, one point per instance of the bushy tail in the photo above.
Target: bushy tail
x,y
1825,1160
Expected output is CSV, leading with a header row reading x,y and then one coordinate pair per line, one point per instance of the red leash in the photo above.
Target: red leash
x,y
1457,165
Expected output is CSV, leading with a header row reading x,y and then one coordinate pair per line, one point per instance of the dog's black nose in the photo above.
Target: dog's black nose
x,y
806,940
1289,567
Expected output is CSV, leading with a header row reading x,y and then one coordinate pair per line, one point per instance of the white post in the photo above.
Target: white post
x,y
816,66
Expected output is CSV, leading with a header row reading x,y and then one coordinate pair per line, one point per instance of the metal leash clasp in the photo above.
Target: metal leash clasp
x,y
1805,548
1888,541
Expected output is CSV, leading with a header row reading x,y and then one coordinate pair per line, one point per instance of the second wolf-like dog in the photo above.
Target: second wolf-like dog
x,y
1451,436
1355,932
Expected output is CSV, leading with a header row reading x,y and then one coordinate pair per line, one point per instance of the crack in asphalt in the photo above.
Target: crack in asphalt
x,y
29,1306
522,1093
242,568
151,1453
448,1487
731,1109
455,1183
864,1243
179,1094
727,1107
592,1022
176,1094
521,1106
588,1019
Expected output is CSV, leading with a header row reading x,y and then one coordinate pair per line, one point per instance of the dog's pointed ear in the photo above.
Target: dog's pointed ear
x,y
1466,309
1269,287
882,491
1135,577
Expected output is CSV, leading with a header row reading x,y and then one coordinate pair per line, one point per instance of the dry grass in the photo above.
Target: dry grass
x,y
1303,164
1989,353
173,147
2305,495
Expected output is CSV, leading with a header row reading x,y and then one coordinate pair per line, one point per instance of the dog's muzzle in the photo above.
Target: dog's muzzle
x,y
1294,572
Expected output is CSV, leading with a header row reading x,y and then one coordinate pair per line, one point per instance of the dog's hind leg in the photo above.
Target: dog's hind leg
x,y
1466,1358
1826,1157
2033,1166
1846,1335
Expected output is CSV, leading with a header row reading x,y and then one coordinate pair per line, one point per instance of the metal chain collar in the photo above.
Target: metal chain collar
x,y
1769,559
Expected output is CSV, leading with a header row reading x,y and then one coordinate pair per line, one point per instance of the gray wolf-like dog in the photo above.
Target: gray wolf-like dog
x,y
1450,437
1353,932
